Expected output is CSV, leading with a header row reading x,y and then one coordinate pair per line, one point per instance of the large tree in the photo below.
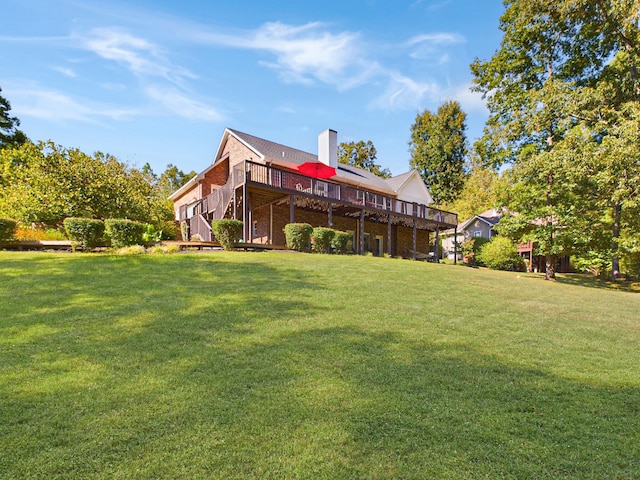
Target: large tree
x,y
47,183
438,149
552,52
362,155
9,133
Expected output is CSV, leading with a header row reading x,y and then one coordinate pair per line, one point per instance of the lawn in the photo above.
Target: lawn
x,y
283,365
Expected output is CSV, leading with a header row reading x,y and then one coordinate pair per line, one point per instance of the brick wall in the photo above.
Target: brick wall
x,y
401,237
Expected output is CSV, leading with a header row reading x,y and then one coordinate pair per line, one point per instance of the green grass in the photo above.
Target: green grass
x,y
281,365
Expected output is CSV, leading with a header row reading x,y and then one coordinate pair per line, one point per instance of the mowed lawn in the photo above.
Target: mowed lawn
x,y
284,366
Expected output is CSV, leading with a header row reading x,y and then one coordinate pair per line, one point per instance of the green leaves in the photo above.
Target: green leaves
x,y
361,155
438,148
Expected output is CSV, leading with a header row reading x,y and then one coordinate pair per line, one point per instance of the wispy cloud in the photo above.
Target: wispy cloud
x,y
433,46
52,105
67,72
303,54
180,104
403,92
140,56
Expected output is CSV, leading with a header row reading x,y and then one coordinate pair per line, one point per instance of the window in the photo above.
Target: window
x,y
255,228
477,233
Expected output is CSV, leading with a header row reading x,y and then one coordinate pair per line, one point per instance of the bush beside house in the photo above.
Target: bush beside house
x,y
84,232
321,238
298,236
500,254
123,232
227,231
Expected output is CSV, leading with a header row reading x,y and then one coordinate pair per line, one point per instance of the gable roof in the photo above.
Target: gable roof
x,y
278,154
491,217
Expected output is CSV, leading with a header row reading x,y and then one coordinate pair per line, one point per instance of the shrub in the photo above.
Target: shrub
x,y
501,254
7,228
470,249
132,250
227,231
342,242
298,236
169,229
123,232
321,238
86,232
29,233
157,249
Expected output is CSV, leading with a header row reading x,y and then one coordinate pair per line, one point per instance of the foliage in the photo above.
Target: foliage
x,y
7,228
500,253
471,247
86,232
311,355
438,148
298,236
39,232
131,250
563,93
10,136
361,155
321,239
227,231
342,242
151,234
124,232
480,193
156,249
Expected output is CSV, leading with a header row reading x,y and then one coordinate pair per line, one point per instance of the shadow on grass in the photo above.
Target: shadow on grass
x,y
187,371
589,281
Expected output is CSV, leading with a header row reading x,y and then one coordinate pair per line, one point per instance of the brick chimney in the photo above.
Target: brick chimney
x,y
328,148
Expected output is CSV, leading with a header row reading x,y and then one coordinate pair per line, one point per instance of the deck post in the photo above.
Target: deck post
x,y
389,234
245,213
455,245
436,246
250,211
415,238
361,247
330,215
292,209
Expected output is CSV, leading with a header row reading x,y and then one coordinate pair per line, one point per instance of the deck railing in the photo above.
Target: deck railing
x,y
295,182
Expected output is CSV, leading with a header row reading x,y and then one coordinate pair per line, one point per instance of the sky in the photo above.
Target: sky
x,y
158,81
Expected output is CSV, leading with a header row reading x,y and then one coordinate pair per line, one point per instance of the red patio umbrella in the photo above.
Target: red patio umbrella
x,y
316,170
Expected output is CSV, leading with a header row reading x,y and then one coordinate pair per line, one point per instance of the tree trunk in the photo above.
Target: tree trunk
x,y
615,261
550,267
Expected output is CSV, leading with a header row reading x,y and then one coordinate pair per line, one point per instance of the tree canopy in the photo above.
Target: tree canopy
x,y
10,136
362,155
563,95
438,149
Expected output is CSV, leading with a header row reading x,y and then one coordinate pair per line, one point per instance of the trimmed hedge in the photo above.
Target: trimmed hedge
x,y
227,231
7,228
298,236
501,254
86,232
341,242
321,238
123,232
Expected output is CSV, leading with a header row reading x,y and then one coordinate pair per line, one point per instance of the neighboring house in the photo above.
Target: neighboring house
x,y
262,183
481,225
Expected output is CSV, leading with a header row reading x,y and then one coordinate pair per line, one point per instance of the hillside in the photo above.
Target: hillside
x,y
284,365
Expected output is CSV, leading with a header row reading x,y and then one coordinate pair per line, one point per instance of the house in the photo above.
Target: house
x,y
478,226
267,185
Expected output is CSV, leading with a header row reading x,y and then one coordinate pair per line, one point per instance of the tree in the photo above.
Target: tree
x,y
552,52
47,183
361,155
438,148
9,133
480,192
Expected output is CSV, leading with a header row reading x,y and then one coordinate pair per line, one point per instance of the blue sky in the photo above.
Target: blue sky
x,y
158,81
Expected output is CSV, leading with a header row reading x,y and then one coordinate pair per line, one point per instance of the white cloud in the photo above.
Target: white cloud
x,y
432,46
68,72
403,92
178,103
56,106
303,54
140,56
